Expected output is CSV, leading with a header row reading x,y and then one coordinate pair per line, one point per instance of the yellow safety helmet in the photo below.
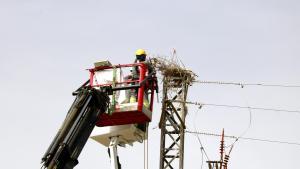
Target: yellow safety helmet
x,y
140,52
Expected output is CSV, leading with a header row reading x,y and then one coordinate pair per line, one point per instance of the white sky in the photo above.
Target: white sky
x,y
45,47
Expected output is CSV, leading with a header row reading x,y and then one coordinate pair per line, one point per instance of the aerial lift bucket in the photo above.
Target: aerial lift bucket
x,y
112,79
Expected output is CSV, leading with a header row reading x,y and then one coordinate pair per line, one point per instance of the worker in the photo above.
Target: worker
x,y
140,58
131,95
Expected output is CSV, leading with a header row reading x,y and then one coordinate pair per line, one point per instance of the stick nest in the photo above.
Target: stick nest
x,y
171,68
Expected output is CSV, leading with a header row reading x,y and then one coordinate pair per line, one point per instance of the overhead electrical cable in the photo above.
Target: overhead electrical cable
x,y
247,129
245,84
240,107
202,150
244,138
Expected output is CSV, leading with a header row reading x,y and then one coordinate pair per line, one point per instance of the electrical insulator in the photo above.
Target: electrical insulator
x,y
222,146
226,161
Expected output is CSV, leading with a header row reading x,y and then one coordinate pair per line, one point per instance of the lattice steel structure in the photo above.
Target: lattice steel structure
x,y
172,122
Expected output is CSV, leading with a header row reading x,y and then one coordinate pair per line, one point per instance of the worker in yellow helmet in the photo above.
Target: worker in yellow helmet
x,y
140,57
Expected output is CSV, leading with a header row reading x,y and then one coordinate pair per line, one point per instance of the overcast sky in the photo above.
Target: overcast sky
x,y
45,47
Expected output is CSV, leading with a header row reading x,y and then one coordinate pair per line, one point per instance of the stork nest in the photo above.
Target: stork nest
x,y
172,69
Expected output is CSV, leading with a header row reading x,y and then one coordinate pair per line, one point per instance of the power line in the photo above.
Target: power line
x,y
244,138
202,150
245,84
241,107
247,129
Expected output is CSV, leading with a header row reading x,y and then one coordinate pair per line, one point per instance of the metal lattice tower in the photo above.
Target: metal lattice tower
x,y
172,122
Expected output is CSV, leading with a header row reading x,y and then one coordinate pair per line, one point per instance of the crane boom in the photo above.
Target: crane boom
x,y
76,128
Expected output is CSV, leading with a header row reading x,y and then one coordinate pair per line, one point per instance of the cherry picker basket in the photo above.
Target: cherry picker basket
x,y
131,96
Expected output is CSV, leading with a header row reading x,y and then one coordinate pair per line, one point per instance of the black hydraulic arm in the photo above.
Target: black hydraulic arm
x,y
76,129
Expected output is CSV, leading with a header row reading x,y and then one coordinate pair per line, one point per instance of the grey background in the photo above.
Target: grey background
x,y
45,47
